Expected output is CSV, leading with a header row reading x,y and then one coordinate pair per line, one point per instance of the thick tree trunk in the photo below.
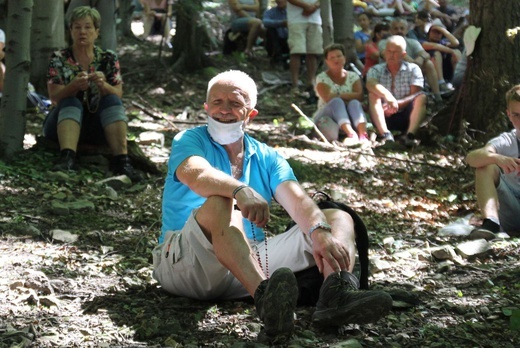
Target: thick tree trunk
x,y
188,53
126,10
14,101
47,36
493,68
326,22
343,19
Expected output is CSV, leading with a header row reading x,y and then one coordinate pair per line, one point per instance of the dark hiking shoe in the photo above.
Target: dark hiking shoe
x,y
342,303
67,162
409,140
121,165
487,231
275,301
386,137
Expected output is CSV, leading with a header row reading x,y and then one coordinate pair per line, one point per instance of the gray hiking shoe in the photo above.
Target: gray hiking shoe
x,y
342,303
275,301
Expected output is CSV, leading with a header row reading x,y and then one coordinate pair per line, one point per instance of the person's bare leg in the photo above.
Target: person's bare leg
x,y
229,242
115,133
68,134
437,62
377,113
312,67
431,76
486,182
255,27
294,68
418,113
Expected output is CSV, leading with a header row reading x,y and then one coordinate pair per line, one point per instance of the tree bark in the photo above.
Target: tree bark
x,y
14,101
493,68
326,22
188,54
47,36
343,23
126,11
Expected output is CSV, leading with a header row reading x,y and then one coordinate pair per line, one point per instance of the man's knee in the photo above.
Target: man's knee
x,y
491,171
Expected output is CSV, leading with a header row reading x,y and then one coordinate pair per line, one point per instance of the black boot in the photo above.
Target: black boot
x,y
275,301
121,165
342,303
67,162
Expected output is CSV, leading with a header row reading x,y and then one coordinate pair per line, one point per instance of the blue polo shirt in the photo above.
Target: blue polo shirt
x,y
264,169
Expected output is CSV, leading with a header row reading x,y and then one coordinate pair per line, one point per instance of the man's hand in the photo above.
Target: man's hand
x,y
253,206
326,248
508,164
391,106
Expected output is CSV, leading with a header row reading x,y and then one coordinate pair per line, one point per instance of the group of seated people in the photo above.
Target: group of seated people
x,y
221,181
396,87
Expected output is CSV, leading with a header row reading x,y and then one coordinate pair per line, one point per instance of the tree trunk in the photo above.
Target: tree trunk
x,y
47,36
14,101
493,68
326,22
126,11
188,53
343,23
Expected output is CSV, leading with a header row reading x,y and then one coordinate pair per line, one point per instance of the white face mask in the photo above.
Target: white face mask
x,y
225,133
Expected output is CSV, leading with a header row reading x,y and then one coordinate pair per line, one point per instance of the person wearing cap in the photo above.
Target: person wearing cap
x,y
443,49
497,177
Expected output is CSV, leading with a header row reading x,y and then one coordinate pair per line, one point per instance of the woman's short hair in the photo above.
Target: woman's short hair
x,y
241,80
81,12
379,28
334,47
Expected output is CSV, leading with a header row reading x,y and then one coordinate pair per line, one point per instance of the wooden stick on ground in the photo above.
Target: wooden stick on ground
x,y
298,110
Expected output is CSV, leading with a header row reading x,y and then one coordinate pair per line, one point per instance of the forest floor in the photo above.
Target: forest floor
x,y
75,253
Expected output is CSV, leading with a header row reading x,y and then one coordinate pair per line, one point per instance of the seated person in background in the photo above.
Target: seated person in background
x,y
157,14
85,86
415,53
447,14
497,176
384,8
395,96
372,54
362,36
275,23
244,20
2,55
340,94
419,31
379,8
218,190
442,47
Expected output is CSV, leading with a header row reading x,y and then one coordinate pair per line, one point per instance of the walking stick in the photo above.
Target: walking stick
x,y
320,134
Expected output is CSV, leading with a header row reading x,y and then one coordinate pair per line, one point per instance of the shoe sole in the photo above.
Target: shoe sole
x,y
281,295
366,310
